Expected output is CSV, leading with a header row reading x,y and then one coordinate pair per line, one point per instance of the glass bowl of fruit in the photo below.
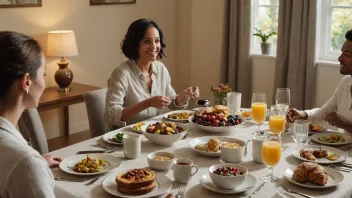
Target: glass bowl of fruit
x,y
164,133
213,122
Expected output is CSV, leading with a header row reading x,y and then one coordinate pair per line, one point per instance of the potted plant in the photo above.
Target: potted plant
x,y
265,46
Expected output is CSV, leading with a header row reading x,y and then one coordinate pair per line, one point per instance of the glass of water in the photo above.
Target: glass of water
x,y
300,131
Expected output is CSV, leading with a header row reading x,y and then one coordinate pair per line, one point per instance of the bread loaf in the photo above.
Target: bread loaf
x,y
310,171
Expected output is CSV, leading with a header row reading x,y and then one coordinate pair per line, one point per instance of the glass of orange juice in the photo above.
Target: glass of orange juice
x,y
271,153
259,109
277,120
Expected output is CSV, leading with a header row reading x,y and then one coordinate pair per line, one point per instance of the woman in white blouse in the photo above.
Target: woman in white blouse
x,y
24,172
141,87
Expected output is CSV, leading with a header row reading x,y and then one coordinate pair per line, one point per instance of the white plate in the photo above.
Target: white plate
x,y
178,120
247,184
163,185
315,137
334,178
145,123
225,129
109,135
202,140
111,162
343,155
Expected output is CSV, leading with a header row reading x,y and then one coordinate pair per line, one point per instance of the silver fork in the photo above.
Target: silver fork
x,y
342,169
181,191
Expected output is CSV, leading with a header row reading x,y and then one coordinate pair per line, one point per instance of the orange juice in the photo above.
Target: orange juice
x,y
271,152
277,123
258,112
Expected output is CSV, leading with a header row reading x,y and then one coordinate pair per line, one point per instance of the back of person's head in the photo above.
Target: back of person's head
x,y
136,33
19,54
348,35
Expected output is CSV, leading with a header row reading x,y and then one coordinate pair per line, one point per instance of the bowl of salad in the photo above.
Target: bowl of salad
x,y
164,133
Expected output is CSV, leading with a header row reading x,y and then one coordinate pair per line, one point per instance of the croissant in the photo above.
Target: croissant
x,y
310,171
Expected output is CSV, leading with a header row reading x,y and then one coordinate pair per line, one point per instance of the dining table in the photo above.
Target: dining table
x,y
194,189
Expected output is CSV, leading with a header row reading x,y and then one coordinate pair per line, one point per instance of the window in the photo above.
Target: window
x,y
336,20
265,17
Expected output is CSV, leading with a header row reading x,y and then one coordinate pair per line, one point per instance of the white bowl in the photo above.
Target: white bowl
x,y
225,129
165,140
227,182
160,165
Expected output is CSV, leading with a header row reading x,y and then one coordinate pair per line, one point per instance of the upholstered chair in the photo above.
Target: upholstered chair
x,y
95,103
32,130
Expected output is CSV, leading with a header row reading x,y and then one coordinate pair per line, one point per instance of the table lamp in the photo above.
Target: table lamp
x,y
62,43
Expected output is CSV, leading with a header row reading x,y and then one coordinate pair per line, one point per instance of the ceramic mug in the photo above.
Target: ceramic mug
x,y
131,145
233,155
257,143
182,170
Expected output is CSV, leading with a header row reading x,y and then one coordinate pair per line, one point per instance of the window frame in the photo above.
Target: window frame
x,y
325,34
255,46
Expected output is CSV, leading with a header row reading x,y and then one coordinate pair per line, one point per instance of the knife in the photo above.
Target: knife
x,y
258,189
68,179
91,151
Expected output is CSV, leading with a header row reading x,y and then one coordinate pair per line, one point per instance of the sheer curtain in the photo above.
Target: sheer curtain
x,y
236,68
296,51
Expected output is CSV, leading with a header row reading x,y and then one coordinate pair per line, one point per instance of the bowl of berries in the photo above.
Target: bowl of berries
x,y
228,175
215,121
164,133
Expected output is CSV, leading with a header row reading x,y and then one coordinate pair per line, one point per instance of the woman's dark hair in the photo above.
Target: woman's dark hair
x,y
348,35
19,54
135,34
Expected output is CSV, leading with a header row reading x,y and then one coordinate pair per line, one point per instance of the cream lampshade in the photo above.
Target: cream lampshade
x,y
62,43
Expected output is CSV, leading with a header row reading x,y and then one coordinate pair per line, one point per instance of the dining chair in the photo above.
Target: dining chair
x,y
31,127
95,103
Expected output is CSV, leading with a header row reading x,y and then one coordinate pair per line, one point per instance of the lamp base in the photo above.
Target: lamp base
x,y
63,76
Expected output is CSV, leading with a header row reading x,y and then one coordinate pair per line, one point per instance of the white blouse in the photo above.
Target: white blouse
x,y
24,172
126,87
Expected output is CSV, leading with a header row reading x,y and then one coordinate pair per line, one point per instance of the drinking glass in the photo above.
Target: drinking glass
x,y
277,120
258,109
271,153
282,98
300,131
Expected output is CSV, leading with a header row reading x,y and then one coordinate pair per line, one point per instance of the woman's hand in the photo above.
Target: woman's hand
x,y
185,95
294,114
338,120
159,102
52,160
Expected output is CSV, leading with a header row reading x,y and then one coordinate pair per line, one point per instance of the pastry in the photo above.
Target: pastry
x,y
214,145
137,181
310,171
219,108
307,154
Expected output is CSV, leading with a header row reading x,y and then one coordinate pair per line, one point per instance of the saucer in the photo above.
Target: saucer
x,y
207,183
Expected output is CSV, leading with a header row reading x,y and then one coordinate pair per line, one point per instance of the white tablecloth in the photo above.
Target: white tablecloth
x,y
194,188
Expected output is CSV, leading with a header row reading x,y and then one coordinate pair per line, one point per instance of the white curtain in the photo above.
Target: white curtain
x,y
236,68
296,51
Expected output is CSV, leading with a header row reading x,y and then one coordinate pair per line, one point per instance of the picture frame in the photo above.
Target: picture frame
x,y
20,3
109,2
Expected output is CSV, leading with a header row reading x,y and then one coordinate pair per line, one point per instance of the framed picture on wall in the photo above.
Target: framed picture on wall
x,y
107,2
20,3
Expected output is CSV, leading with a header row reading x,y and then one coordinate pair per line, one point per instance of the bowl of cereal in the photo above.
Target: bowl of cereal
x,y
160,160
164,133
233,152
228,175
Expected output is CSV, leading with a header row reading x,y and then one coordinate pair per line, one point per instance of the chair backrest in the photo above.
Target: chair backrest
x,y
95,103
32,130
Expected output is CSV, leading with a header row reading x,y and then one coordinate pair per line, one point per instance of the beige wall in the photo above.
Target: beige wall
x,y
193,30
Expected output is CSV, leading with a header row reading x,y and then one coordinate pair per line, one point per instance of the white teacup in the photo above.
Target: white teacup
x,y
131,145
182,170
257,143
233,155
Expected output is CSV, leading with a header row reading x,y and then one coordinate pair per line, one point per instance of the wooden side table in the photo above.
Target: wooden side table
x,y
52,99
